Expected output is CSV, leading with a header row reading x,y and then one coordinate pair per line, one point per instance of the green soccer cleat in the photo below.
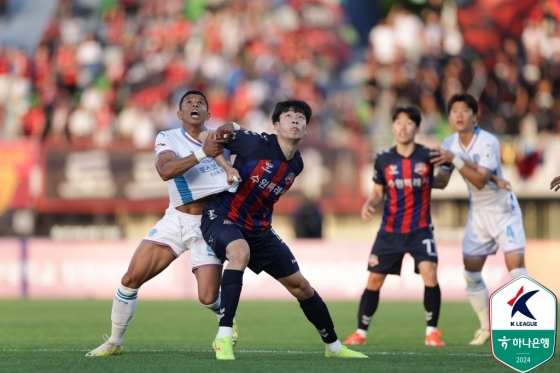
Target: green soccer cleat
x,y
106,349
223,348
235,333
346,353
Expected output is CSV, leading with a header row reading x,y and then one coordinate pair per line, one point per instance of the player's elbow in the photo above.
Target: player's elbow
x,y
480,184
165,175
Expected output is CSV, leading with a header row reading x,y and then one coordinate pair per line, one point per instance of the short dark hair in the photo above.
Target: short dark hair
x,y
193,92
463,97
412,112
297,106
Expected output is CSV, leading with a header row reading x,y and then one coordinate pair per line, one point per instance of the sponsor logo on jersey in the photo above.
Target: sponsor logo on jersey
x,y
420,168
212,215
290,178
393,169
269,166
161,144
152,232
255,179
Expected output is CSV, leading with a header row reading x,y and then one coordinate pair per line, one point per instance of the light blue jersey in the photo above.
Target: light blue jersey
x,y
204,179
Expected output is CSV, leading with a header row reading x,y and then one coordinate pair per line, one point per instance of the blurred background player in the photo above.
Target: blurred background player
x,y
405,176
238,226
495,216
193,177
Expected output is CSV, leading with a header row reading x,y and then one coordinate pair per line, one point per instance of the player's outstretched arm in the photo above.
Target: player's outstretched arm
x,y
226,129
501,183
372,201
169,167
477,176
555,183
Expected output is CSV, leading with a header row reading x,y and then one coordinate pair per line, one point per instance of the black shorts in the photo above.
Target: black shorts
x,y
268,252
389,249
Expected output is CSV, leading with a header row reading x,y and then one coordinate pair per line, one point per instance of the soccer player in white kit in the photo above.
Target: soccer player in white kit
x,y
494,217
193,178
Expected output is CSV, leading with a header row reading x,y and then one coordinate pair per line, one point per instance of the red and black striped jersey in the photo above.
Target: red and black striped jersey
x,y
408,184
266,174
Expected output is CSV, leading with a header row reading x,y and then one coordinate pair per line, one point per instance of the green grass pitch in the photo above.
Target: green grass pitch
x,y
176,336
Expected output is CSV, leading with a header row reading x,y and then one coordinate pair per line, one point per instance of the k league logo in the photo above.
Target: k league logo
x,y
523,317
519,304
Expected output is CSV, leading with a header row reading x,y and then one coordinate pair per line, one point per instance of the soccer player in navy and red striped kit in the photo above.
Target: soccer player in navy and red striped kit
x,y
404,175
238,226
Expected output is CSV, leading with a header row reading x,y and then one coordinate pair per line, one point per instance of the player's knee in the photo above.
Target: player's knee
x,y
302,289
305,288
430,281
238,255
375,281
131,281
474,281
208,299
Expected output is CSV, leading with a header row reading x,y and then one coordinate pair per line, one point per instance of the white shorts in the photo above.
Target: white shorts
x,y
180,232
489,229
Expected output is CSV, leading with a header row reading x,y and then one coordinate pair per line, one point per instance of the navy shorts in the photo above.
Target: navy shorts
x,y
389,249
268,252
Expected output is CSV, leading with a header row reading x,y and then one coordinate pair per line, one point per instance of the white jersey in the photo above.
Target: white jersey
x,y
484,150
202,180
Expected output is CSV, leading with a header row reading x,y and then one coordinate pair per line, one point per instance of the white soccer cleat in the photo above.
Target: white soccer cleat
x,y
106,349
481,336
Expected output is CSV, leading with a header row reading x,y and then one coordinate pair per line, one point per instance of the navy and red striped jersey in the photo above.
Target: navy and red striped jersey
x,y
408,185
266,174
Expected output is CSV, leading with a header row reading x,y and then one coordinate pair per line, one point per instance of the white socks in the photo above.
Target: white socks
x,y
124,306
334,348
224,331
215,307
478,296
362,333
430,329
516,272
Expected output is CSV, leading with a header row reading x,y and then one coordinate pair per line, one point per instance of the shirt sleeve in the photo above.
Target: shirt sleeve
x,y
162,144
489,157
378,174
446,145
244,142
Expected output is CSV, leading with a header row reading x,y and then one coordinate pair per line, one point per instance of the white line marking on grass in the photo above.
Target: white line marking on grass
x,y
258,352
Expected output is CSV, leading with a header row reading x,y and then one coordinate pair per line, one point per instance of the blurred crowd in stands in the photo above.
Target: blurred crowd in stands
x,y
423,60
115,74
